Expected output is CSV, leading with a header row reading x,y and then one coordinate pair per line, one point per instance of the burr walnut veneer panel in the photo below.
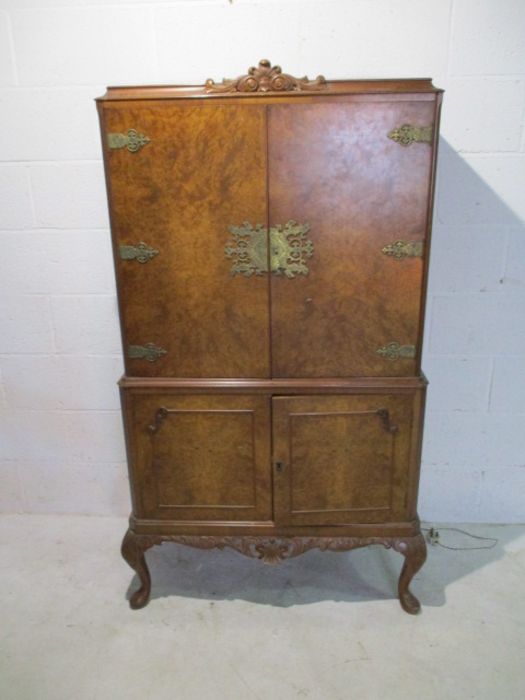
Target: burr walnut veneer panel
x,y
201,457
203,170
345,459
332,166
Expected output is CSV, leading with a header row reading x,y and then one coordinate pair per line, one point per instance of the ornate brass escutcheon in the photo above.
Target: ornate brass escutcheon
x,y
396,351
141,252
149,352
248,249
403,249
132,140
289,247
408,134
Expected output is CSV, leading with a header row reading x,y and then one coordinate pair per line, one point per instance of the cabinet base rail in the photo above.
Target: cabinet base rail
x,y
273,550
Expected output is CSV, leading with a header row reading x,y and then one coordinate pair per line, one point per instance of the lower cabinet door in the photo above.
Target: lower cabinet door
x,y
341,459
199,457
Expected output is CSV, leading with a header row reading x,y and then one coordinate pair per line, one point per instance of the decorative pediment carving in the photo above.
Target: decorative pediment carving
x,y
266,78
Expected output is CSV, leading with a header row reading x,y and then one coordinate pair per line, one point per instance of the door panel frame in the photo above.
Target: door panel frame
x,y
142,307
140,411
404,457
409,332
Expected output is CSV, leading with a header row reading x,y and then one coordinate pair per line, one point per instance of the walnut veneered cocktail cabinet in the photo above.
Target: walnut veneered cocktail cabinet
x,y
271,241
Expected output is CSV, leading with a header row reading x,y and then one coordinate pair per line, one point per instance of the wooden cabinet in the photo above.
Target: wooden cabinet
x,y
271,241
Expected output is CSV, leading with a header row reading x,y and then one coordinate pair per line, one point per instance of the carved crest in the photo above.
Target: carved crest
x,y
266,78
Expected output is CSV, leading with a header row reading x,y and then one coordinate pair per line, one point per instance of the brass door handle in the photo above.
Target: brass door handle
x,y
289,248
384,414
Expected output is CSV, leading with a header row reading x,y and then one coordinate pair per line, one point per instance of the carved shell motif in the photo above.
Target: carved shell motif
x,y
266,78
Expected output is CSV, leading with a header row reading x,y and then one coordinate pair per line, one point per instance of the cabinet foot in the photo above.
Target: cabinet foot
x,y
133,552
414,550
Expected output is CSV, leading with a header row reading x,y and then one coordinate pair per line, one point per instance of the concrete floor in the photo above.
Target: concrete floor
x,y
325,626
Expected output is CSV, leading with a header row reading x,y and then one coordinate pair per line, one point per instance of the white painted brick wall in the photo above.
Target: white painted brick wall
x,y
61,442
85,324
84,45
25,321
50,124
69,195
58,261
7,68
15,197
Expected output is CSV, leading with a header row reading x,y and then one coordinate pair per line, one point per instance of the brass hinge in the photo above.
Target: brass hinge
x,y
141,252
396,351
403,249
132,140
408,134
149,352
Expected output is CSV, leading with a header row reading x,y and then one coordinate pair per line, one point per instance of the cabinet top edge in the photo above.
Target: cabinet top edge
x,y
332,87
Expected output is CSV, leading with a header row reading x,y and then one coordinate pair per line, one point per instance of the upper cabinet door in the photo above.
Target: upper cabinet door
x,y
357,192
179,178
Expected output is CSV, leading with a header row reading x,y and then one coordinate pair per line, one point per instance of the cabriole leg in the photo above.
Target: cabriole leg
x,y
414,550
133,553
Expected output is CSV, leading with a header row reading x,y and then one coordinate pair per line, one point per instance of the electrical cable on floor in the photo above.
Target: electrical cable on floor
x,y
433,538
